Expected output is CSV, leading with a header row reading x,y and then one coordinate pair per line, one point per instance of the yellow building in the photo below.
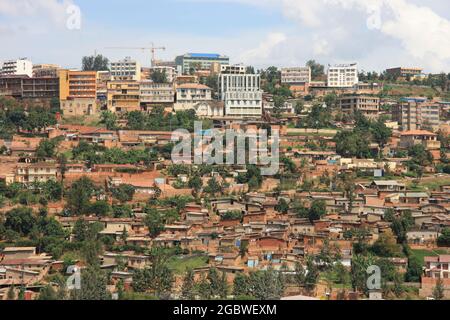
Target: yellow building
x,y
77,84
123,96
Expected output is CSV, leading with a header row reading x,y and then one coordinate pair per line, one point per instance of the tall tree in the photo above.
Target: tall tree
x,y
95,63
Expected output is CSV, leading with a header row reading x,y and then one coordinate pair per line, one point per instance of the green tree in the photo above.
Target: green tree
x,y
438,290
79,196
95,63
159,76
444,238
317,70
188,289
124,192
93,285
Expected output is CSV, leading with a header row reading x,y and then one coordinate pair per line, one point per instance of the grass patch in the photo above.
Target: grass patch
x,y
180,264
420,254
430,184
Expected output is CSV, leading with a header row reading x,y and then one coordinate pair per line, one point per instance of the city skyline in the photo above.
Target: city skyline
x,y
258,33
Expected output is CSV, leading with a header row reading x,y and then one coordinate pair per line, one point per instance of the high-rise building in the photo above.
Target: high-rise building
x,y
416,114
77,84
343,75
240,91
126,69
18,67
199,61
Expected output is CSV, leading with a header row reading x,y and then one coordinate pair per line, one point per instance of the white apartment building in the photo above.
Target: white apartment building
x,y
17,67
295,75
241,92
157,93
343,75
126,69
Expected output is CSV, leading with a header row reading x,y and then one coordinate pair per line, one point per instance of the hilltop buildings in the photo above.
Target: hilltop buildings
x,y
416,114
126,69
240,91
199,61
343,75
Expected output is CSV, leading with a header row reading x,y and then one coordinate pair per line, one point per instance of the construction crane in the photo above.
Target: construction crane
x,y
153,50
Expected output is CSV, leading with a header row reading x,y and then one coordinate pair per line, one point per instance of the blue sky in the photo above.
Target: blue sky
x,y
375,33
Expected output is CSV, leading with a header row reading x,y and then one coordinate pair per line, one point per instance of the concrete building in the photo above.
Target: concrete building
x,y
45,70
199,61
416,114
23,87
123,96
77,84
190,94
298,75
369,106
17,67
436,267
152,93
36,172
428,139
126,69
241,92
343,75
404,72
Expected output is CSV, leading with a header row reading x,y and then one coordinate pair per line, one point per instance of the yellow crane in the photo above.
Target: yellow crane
x,y
152,49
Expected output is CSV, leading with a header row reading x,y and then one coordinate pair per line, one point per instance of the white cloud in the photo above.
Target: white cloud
x,y
265,48
44,9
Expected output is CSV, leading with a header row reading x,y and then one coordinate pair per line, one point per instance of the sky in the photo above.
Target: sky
x,y
377,34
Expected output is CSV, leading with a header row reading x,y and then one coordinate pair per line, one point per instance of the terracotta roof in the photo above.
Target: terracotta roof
x,y
418,133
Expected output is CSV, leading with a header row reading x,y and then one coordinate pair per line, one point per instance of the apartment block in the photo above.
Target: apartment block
x,y
199,61
343,75
190,94
416,114
299,75
77,84
241,92
23,87
369,106
156,93
18,67
123,96
126,69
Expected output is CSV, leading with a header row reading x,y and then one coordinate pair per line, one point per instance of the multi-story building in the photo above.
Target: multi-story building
x,y
404,72
369,106
77,84
18,67
199,61
190,94
156,93
36,172
436,267
123,96
296,75
23,87
45,70
343,75
241,92
428,139
126,69
416,114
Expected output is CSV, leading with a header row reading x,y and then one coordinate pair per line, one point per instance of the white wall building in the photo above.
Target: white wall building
x,y
126,69
343,75
155,93
17,67
241,92
295,75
